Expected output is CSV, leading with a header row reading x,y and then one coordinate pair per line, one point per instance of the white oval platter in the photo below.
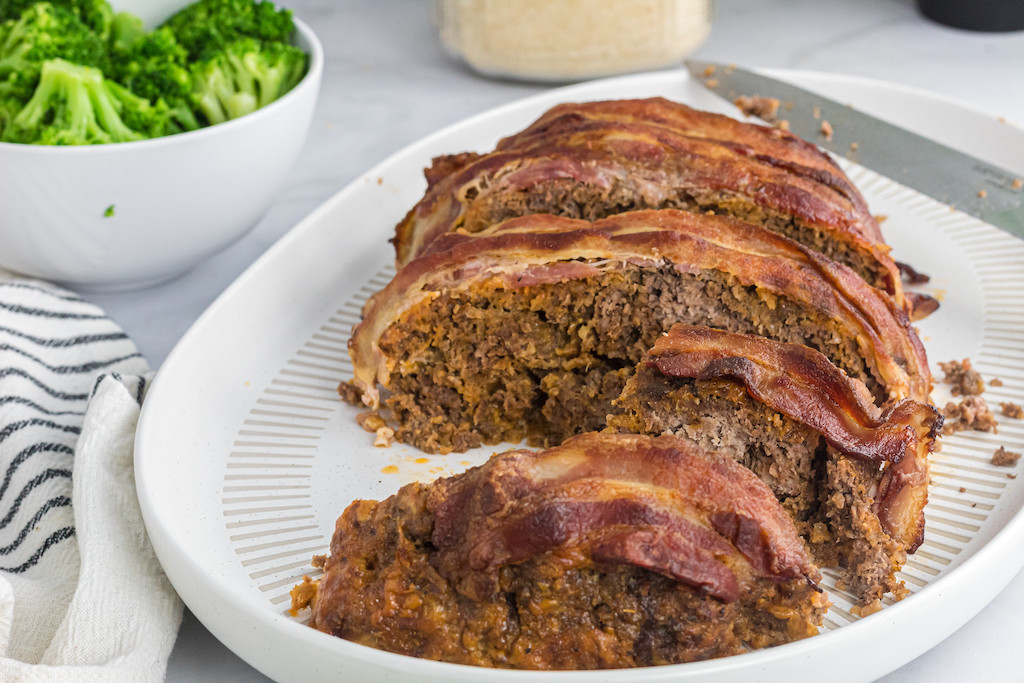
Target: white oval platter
x,y
245,456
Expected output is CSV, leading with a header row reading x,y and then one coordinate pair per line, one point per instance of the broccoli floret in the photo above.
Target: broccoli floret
x,y
75,105
125,29
245,76
206,27
96,14
153,66
9,108
43,32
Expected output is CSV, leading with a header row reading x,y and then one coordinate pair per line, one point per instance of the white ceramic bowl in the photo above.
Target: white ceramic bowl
x,y
176,200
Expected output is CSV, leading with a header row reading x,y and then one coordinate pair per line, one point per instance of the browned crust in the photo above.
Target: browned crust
x,y
674,124
660,503
802,384
626,526
666,145
545,248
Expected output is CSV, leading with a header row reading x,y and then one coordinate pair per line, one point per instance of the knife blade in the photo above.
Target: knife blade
x,y
993,194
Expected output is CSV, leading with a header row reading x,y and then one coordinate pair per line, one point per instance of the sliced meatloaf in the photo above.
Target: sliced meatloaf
x,y
853,477
594,159
609,551
529,329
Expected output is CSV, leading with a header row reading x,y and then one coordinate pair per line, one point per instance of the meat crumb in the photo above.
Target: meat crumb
x,y
371,420
1012,410
982,193
782,124
1018,183
854,146
303,595
996,382
766,108
865,610
1005,458
965,379
350,393
709,70
971,413
711,82
385,437
826,130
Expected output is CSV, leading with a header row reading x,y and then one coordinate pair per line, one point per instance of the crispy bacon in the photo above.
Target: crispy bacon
x,y
650,153
660,503
526,249
802,384
921,305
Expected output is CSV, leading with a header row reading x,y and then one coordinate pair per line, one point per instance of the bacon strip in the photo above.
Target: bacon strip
x,y
660,503
541,248
648,153
802,384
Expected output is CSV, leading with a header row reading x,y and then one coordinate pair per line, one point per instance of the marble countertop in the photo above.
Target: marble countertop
x,y
387,83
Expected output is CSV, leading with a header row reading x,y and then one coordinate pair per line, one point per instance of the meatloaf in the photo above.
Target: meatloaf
x,y
608,551
853,477
594,159
529,329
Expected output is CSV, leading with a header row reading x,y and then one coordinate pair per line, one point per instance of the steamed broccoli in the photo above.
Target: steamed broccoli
x,y
44,31
96,14
239,55
72,72
75,105
153,66
124,30
245,76
206,27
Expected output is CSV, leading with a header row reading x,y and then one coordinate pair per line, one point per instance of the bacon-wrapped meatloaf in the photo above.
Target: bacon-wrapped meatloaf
x,y
853,477
608,551
530,328
594,159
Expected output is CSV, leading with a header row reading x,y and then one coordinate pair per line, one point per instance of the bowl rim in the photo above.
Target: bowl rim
x,y
311,80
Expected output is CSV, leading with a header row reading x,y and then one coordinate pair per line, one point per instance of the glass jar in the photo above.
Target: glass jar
x,y
571,40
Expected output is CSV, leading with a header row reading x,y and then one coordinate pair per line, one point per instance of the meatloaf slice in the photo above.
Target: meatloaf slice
x,y
853,477
594,159
608,551
530,329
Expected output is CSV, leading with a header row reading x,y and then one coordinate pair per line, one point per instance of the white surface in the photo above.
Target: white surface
x,y
387,83
175,200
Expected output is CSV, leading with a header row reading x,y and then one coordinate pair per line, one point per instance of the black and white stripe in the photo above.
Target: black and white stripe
x,y
54,348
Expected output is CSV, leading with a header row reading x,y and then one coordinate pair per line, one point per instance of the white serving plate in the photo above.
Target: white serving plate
x,y
245,457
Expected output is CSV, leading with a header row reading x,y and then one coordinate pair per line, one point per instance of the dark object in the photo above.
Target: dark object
x,y
986,15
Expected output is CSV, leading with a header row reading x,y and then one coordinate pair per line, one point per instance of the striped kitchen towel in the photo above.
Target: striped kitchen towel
x,y
82,596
